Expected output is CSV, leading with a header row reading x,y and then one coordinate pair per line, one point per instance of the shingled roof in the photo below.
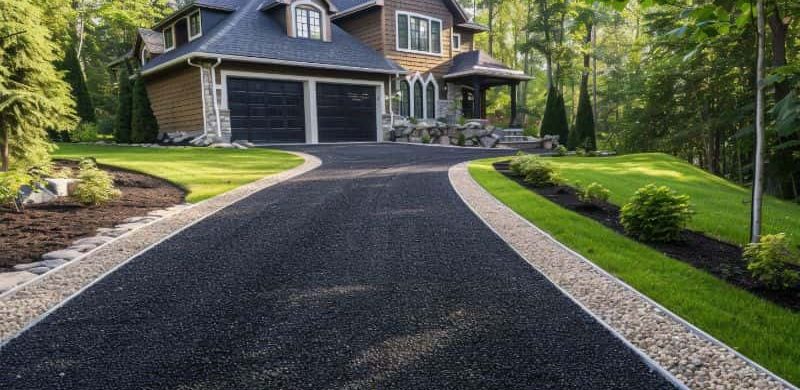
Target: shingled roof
x,y
478,62
249,34
153,41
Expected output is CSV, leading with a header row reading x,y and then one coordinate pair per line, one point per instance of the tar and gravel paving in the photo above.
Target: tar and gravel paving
x,y
366,273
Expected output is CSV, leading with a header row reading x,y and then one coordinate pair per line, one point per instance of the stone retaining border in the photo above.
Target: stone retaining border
x,y
26,304
695,358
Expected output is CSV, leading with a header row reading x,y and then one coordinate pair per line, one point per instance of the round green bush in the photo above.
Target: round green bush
x,y
534,170
656,214
96,186
768,262
593,193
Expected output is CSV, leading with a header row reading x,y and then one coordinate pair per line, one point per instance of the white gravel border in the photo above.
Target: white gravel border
x,y
26,304
692,356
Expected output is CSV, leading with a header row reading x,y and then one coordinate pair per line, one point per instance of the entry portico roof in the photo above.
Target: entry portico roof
x,y
479,63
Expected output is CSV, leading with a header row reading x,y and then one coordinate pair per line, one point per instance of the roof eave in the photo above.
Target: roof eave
x,y
512,74
177,14
357,9
473,26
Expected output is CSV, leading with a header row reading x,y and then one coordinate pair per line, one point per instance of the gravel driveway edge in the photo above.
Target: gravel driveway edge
x,y
28,303
686,353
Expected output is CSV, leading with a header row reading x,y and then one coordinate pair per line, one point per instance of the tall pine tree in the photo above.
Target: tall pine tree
x,y
554,121
77,81
144,127
583,135
122,122
33,96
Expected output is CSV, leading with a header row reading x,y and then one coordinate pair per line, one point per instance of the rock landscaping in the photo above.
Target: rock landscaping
x,y
693,357
49,234
474,133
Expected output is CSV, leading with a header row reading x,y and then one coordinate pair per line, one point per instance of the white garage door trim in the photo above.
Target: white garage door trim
x,y
310,97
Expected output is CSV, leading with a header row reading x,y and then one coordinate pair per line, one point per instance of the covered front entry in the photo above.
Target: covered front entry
x,y
266,111
346,112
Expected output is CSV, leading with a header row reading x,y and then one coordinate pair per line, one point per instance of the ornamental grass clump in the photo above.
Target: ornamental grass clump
x,y
96,186
534,170
656,214
768,262
594,193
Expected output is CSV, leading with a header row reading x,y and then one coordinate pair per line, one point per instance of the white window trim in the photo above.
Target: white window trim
x,y
142,58
456,48
171,28
189,25
411,79
323,20
408,29
310,98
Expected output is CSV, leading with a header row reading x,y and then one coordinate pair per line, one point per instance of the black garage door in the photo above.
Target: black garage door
x,y
266,110
346,113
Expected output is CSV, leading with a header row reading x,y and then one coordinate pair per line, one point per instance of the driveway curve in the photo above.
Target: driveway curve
x,y
367,273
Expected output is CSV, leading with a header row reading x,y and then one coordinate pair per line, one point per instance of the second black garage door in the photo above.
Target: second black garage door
x,y
346,113
266,111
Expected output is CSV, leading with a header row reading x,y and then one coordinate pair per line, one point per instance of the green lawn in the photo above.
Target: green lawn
x,y
763,331
723,208
203,172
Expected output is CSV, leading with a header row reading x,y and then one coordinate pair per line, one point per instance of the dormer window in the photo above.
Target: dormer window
x,y
195,27
308,22
169,38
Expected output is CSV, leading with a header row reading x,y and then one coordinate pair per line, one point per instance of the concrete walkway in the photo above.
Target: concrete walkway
x,y
368,272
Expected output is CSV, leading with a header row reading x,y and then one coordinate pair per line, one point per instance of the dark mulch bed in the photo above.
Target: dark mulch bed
x,y
42,228
716,257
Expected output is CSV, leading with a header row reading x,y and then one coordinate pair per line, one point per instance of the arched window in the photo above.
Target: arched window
x,y
308,22
405,101
418,100
430,101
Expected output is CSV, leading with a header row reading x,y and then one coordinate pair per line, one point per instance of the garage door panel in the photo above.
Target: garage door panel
x,y
346,112
268,111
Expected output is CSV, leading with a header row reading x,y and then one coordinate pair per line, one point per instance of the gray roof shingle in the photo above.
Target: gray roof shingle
x,y
248,32
481,63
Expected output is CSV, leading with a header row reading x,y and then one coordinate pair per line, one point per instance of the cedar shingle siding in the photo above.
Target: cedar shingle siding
x,y
176,100
367,26
438,64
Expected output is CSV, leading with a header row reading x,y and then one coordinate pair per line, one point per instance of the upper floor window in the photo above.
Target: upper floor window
x,y
195,28
169,38
308,22
418,33
456,41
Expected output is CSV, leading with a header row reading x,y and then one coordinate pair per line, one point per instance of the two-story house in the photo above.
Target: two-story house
x,y
309,71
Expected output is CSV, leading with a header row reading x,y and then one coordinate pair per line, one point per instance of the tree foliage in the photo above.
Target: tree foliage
x,y
77,81
122,122
144,127
554,121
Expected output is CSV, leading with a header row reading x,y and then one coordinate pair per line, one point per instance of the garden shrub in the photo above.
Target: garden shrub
x,y
10,184
426,139
593,193
580,152
561,151
768,262
656,214
96,186
462,139
84,132
534,170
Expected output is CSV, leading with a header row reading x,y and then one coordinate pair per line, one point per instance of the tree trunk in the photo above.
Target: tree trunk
x,y
4,152
594,75
491,26
779,31
758,175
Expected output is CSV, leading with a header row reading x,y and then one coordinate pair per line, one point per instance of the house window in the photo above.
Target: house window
x,y
169,38
418,100
456,41
430,101
195,28
308,22
405,101
417,33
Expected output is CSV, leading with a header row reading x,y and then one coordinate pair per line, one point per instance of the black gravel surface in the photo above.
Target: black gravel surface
x,y
367,273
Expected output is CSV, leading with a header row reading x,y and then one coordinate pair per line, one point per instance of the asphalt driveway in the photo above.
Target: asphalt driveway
x,y
367,273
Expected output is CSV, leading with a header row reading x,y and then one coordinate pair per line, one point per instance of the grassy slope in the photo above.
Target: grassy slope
x,y
203,172
763,331
723,208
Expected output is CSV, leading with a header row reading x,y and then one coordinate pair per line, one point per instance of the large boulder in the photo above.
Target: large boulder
x,y
489,140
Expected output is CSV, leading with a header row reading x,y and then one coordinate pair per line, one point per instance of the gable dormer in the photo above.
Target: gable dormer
x,y
303,19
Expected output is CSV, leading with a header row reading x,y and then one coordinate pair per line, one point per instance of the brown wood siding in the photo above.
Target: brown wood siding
x,y
414,62
367,26
176,99
467,41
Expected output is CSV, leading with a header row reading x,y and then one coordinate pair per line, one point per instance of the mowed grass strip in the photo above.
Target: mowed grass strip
x,y
202,172
763,331
723,207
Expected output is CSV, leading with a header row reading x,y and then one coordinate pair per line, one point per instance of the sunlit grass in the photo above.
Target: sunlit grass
x,y
203,172
763,331
723,208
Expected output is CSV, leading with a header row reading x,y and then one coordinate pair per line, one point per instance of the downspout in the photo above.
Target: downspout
x,y
214,95
202,92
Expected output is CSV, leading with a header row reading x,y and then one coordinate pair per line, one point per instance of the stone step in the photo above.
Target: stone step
x,y
516,138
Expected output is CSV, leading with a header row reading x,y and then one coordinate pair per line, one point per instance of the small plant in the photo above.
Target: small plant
x,y
96,186
462,139
413,120
593,193
11,183
534,170
84,132
561,151
426,138
768,262
656,214
580,152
